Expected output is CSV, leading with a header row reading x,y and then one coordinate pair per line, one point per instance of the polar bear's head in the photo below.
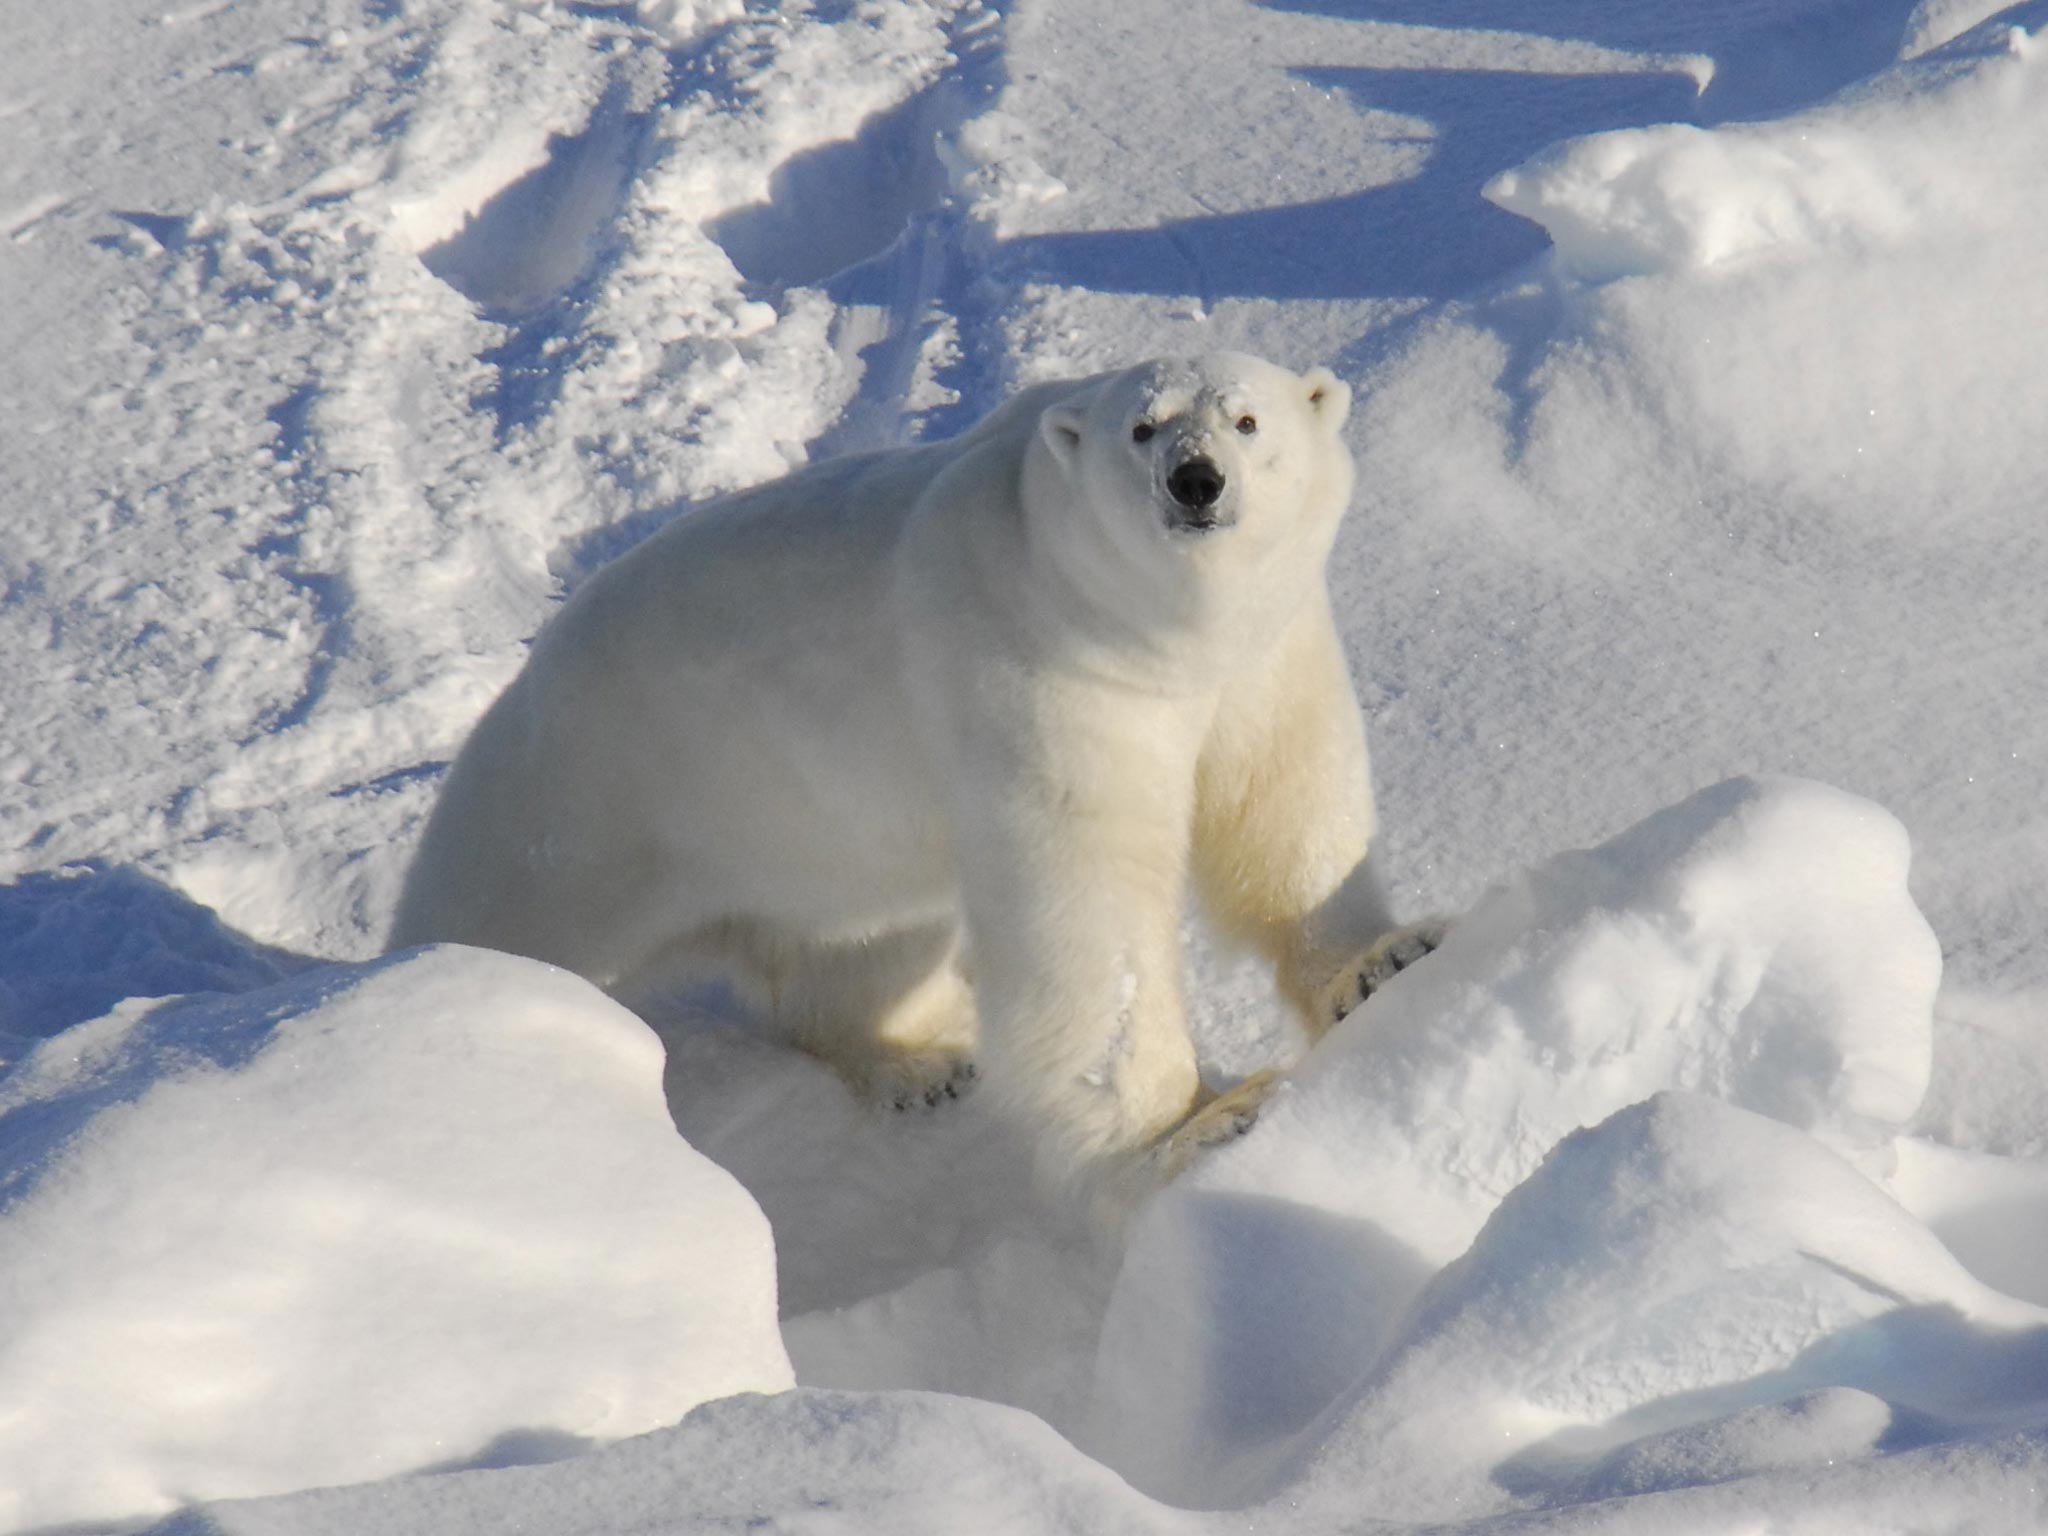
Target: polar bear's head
x,y
1206,446
1210,484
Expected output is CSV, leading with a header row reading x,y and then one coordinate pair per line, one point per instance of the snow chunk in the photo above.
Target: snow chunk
x,y
1847,177
428,1211
989,161
1683,1261
1755,942
682,21
1650,199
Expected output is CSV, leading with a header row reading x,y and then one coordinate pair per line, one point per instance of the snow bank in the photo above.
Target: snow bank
x,y
426,1212
1684,1263
910,1463
431,1213
918,1465
1870,172
1755,942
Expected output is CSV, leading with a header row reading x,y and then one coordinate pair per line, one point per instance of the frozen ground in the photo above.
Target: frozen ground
x,y
1698,1185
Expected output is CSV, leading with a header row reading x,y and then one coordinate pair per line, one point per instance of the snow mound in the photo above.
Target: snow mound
x,y
425,1212
926,1465
1685,1262
1870,172
906,1462
1755,943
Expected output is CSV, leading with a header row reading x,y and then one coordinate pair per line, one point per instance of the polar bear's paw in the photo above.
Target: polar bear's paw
x,y
1224,1118
1392,954
921,1080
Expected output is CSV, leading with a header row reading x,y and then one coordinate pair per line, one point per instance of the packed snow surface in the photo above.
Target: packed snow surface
x,y
1698,1184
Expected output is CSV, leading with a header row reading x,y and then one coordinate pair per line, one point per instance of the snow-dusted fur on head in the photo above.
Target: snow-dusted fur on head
x,y
981,708
1190,499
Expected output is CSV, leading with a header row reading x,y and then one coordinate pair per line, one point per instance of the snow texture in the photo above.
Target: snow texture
x,y
1692,1187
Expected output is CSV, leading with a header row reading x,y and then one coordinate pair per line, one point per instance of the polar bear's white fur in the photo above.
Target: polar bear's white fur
x,y
979,708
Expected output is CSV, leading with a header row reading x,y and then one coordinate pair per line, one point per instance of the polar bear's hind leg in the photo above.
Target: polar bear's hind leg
x,y
892,1013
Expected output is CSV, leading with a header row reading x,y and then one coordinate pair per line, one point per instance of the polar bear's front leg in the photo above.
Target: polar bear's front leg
x,y
1284,821
1224,1118
1380,962
1072,883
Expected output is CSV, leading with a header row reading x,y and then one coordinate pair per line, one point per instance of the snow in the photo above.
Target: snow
x,y
900,1462
426,1212
1756,943
1697,1184
924,1466
1681,1261
1874,171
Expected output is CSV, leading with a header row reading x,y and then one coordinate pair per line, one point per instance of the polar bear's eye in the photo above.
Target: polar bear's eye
x,y
1142,432
1247,425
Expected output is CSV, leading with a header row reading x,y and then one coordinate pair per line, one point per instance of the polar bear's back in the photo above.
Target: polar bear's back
x,y
747,657
816,550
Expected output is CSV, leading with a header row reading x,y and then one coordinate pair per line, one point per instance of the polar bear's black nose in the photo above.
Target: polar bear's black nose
x,y
1195,483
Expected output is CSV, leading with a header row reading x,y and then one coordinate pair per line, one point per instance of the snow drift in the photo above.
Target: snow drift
x,y
1591,1204
428,1212
1755,942
1874,170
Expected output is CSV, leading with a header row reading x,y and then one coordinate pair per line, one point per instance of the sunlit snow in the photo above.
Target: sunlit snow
x,y
1693,589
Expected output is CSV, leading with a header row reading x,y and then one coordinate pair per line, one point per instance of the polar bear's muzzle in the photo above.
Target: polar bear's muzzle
x,y
1196,485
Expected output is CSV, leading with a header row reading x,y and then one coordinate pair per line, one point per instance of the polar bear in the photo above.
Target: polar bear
x,y
924,747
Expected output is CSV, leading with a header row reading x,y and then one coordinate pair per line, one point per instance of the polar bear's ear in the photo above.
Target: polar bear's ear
x,y
1329,396
1061,426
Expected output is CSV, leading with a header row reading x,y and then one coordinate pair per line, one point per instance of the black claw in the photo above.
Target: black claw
x,y
932,1095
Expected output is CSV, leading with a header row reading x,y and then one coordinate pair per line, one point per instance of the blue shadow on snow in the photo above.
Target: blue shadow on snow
x,y
76,942
1431,236
1769,58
